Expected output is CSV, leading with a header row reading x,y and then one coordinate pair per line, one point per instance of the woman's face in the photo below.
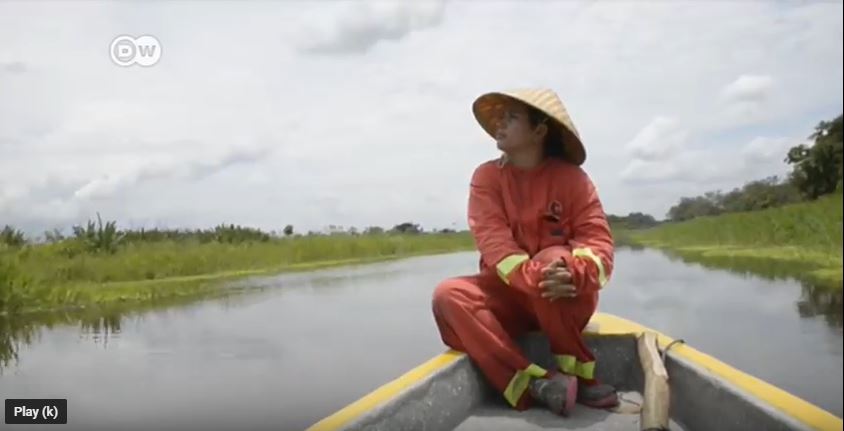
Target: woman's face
x,y
513,129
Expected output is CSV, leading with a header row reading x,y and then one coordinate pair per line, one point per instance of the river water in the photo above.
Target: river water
x,y
304,345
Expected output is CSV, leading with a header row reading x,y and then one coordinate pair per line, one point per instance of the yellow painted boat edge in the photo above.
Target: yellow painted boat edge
x,y
797,408
605,324
385,392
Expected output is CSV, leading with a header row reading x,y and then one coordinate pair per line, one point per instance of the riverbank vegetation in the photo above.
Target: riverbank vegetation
x,y
804,239
100,264
816,171
794,222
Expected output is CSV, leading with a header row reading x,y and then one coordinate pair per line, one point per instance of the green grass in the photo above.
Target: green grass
x,y
62,275
803,240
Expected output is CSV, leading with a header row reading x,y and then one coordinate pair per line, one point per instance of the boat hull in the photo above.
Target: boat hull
x,y
448,392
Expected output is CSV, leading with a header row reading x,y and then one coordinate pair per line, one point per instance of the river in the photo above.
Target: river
x,y
303,345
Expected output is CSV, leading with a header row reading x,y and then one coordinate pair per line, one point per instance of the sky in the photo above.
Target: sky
x,y
356,113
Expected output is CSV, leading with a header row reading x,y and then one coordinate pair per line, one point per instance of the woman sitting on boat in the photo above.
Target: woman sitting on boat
x,y
546,252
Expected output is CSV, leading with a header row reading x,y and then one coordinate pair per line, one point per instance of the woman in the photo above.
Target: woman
x,y
546,251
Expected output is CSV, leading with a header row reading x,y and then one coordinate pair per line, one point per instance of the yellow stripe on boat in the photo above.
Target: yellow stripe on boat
x,y
385,393
606,324
801,410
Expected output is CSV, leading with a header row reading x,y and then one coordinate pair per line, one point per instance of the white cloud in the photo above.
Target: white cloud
x,y
198,167
764,149
660,139
11,193
692,167
662,158
386,134
14,67
747,99
362,25
748,88
643,171
696,171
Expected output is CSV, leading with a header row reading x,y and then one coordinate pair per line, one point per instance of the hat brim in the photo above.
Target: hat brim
x,y
486,109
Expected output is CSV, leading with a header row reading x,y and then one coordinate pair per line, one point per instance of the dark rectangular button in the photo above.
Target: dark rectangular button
x,y
36,411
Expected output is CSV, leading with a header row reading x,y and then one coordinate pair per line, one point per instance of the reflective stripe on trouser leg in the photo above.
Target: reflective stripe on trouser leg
x,y
520,381
586,370
568,364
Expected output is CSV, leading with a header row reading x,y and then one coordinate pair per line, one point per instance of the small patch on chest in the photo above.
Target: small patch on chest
x,y
553,215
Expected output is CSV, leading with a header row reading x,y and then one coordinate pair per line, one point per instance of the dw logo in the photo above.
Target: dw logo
x,y
127,50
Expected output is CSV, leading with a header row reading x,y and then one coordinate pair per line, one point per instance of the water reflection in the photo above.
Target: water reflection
x,y
101,328
13,333
101,324
98,324
818,299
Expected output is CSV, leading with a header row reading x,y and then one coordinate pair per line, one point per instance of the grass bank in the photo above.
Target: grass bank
x,y
38,278
802,240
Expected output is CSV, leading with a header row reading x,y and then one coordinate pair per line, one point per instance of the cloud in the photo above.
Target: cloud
x,y
364,24
748,88
745,100
765,149
191,169
664,152
643,171
660,139
700,171
692,168
13,68
656,153
663,155
11,193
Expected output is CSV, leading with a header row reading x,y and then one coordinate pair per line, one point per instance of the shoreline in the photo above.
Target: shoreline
x,y
804,264
173,272
802,241
74,296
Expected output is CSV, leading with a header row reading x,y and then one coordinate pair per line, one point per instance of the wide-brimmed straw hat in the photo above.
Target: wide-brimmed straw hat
x,y
488,106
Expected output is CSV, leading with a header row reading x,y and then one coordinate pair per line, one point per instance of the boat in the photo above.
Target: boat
x,y
449,393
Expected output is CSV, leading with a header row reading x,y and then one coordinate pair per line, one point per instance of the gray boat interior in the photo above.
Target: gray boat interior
x,y
457,397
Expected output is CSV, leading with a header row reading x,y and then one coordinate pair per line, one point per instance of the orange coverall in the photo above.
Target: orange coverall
x,y
521,221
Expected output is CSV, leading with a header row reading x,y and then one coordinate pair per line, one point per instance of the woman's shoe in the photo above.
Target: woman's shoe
x,y
558,392
599,396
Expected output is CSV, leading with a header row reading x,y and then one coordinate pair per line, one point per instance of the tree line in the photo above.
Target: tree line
x,y
816,171
634,220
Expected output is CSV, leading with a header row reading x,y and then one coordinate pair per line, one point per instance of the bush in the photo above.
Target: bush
x,y
818,169
13,286
99,238
12,237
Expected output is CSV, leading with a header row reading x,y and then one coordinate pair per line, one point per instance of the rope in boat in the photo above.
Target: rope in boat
x,y
669,346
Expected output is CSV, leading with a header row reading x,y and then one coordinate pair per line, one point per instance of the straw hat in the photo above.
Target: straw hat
x,y
487,106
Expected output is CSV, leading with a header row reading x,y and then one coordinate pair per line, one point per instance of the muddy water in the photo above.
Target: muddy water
x,y
285,355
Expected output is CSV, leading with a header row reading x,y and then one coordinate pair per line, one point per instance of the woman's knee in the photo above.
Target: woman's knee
x,y
446,294
455,293
550,254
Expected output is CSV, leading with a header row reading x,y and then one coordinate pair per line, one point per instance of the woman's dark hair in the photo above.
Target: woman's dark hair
x,y
553,146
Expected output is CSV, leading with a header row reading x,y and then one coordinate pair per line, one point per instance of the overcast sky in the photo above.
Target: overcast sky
x,y
356,114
